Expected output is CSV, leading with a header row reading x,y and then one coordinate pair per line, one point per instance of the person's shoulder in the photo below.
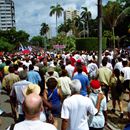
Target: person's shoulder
x,y
49,126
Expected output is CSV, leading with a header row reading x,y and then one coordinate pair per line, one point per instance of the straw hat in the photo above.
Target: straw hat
x,y
31,88
50,69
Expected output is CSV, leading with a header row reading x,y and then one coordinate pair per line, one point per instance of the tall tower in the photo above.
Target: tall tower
x,y
7,14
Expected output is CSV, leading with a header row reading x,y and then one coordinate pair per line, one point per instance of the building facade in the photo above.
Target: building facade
x,y
7,14
70,14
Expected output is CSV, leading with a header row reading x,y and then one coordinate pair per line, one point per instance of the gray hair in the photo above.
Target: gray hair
x,y
75,86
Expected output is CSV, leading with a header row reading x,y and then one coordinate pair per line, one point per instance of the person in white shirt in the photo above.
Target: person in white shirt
x,y
63,83
17,97
126,74
69,68
33,106
118,65
92,69
97,122
75,109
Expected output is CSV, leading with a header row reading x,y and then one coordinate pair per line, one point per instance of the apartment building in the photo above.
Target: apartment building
x,y
70,14
7,14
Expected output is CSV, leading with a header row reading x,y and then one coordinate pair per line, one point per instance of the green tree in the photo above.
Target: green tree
x,y
15,37
110,16
57,10
74,25
6,46
86,16
37,41
124,3
22,37
44,29
70,43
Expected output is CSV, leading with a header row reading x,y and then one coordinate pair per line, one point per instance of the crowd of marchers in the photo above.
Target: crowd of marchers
x,y
46,87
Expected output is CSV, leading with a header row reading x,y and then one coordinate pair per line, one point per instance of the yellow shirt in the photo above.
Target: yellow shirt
x,y
6,70
104,74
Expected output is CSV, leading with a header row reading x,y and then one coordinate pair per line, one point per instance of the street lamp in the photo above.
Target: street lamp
x,y
99,32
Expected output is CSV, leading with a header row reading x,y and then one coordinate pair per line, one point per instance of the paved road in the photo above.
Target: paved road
x,y
114,123
5,105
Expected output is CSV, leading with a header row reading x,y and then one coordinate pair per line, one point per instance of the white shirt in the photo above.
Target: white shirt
x,y
17,89
64,82
118,65
92,69
126,72
33,125
70,69
75,108
109,66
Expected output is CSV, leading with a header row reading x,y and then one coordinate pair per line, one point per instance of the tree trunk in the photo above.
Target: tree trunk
x,y
87,30
113,34
84,29
56,25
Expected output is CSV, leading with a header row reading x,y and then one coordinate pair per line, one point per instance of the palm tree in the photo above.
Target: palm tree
x,y
124,3
74,25
43,32
57,10
111,14
86,16
44,29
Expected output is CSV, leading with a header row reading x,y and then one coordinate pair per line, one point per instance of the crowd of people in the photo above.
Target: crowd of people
x,y
47,87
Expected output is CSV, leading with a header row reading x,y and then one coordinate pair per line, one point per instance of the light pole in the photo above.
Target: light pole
x,y
99,32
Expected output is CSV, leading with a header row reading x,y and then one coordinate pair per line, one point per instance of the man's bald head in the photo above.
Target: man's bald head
x,y
32,104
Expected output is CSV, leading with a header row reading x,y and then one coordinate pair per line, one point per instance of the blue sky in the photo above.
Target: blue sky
x,y
30,14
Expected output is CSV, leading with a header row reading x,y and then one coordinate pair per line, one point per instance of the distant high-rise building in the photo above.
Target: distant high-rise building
x,y
7,14
70,14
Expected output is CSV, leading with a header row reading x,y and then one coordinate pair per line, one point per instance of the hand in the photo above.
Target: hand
x,y
50,118
100,96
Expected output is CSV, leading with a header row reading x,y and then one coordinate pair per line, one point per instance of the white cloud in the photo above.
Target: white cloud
x,y
31,13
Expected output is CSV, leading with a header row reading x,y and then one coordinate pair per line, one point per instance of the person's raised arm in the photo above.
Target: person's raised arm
x,y
64,125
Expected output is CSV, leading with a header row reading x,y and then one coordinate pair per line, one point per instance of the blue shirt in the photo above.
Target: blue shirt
x,y
84,82
34,77
54,98
127,127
